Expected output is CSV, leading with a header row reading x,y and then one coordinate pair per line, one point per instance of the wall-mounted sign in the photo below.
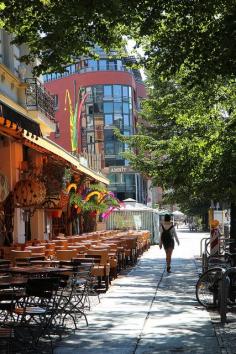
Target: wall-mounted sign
x,y
120,169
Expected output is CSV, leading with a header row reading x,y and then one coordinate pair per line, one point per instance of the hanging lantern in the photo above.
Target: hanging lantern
x,y
29,192
4,191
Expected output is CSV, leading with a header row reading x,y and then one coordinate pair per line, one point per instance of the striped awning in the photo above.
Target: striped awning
x,y
9,114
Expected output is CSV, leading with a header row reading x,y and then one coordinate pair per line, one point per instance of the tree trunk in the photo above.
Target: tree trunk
x,y
233,221
233,226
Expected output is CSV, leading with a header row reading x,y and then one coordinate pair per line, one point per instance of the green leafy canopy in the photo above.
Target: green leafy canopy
x,y
186,141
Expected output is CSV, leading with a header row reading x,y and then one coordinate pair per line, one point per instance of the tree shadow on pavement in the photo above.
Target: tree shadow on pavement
x,y
148,311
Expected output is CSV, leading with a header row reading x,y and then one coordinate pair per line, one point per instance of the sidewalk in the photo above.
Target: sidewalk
x,y
149,311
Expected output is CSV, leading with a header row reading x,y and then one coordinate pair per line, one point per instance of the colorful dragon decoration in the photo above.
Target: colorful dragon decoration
x,y
75,116
96,200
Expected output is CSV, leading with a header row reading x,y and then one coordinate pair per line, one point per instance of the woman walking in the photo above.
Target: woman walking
x,y
167,239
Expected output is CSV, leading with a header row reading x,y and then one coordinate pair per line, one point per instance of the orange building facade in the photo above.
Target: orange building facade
x,y
34,171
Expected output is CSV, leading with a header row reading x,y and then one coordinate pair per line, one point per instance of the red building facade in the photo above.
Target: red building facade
x,y
92,97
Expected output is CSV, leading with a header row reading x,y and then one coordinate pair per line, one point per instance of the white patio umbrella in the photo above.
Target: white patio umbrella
x,y
178,213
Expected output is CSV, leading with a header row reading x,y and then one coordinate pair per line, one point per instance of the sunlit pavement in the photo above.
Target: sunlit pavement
x,y
150,311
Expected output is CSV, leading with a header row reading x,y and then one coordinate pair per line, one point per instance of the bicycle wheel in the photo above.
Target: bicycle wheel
x,y
207,287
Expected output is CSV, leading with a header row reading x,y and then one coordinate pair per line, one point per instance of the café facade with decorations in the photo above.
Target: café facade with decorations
x,y
37,176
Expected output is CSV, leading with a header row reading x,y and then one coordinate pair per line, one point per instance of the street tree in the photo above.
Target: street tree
x,y
186,142
195,37
57,32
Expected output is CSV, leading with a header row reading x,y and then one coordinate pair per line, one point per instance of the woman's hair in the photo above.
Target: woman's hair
x,y
167,217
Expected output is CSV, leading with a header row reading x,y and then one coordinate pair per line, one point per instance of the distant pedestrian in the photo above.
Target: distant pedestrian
x,y
167,239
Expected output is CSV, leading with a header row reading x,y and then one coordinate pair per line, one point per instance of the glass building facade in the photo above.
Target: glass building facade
x,y
91,65
112,94
108,107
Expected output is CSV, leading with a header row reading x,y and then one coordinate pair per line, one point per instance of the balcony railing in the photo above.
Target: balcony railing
x,y
39,99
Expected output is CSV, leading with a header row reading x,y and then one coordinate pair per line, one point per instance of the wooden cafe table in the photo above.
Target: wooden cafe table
x,y
35,271
6,282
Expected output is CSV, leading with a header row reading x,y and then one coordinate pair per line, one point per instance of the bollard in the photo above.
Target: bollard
x,y
215,237
215,242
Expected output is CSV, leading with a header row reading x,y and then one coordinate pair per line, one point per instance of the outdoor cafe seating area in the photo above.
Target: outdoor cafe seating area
x,y
46,286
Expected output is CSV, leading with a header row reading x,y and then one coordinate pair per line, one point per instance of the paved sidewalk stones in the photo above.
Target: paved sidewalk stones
x,y
149,311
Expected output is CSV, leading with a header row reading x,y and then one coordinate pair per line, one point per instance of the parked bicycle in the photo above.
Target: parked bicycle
x,y
207,287
216,286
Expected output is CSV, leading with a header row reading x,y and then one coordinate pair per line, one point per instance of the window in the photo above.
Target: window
x,y
129,179
90,138
89,109
117,91
97,108
112,65
54,76
109,148
126,120
92,65
98,93
130,92
78,66
89,121
118,120
125,107
119,65
68,69
119,147
73,69
114,161
90,94
108,107
109,135
107,92
115,178
125,92
117,107
109,142
108,118
102,65
112,178
83,65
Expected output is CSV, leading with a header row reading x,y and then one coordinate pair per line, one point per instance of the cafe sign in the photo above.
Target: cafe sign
x,y
120,169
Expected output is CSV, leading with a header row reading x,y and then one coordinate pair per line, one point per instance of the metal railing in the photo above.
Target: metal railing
x,y
39,99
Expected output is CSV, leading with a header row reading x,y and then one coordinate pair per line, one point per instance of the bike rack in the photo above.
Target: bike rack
x,y
204,254
201,242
